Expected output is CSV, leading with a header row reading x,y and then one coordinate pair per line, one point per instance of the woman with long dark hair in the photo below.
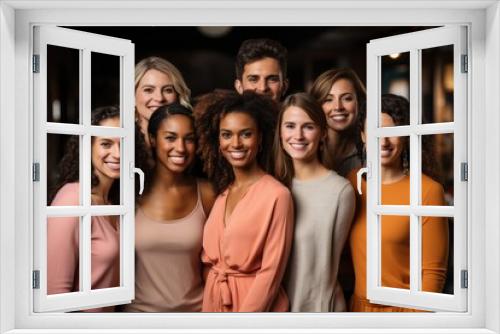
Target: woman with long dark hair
x,y
247,237
170,217
341,94
63,232
395,230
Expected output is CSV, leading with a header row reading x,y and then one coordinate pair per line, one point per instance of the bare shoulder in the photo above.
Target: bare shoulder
x,y
207,195
69,194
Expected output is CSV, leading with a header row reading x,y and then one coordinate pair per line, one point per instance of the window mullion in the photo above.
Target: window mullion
x,y
415,174
86,177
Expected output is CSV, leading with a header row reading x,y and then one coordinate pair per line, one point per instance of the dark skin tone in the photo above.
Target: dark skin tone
x,y
174,140
239,141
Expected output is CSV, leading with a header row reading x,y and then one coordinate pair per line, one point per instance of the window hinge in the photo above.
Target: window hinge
x,y
36,172
464,284
465,66
464,171
36,279
36,63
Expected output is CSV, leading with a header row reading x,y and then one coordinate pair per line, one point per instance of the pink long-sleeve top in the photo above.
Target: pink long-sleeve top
x,y
246,257
63,244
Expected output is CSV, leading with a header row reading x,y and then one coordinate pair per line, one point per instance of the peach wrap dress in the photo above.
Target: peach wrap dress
x,y
245,258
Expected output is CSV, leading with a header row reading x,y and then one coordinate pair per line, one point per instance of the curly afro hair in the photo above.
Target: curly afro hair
x,y
263,111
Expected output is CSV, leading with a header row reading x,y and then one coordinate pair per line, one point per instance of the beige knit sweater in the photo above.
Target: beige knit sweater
x,y
324,211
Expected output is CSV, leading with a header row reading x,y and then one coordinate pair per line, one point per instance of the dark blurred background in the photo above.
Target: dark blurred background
x,y
205,56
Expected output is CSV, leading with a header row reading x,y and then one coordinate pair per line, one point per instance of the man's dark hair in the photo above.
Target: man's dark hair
x,y
256,49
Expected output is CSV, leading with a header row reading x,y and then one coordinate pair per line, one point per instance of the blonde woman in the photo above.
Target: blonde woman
x,y
157,83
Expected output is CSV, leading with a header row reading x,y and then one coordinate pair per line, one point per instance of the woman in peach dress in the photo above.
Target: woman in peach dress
x,y
247,237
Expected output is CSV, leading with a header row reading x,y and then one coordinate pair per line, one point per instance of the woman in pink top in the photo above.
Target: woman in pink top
x,y
247,237
63,232
170,218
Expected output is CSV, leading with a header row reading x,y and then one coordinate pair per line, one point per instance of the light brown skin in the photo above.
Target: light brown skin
x,y
105,150
390,158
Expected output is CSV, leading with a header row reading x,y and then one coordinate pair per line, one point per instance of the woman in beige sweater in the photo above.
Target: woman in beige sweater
x,y
324,203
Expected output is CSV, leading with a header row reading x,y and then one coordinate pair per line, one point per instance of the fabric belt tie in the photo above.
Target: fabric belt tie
x,y
221,279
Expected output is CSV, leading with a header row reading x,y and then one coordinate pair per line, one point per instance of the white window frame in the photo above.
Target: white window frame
x,y
17,19
123,51
413,43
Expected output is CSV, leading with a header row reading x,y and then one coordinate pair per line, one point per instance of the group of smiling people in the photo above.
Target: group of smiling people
x,y
265,227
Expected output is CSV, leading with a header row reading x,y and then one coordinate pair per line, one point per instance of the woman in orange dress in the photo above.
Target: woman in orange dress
x,y
247,237
395,190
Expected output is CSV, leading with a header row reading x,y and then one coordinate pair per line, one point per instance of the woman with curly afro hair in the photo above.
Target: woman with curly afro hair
x,y
247,237
63,232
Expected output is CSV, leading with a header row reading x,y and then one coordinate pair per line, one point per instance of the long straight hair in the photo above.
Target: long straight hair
x,y
283,167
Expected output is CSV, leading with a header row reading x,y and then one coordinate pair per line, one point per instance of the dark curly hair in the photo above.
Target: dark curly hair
x,y
256,49
264,112
69,167
398,108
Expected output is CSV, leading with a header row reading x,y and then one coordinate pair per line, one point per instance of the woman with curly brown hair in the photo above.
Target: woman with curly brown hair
x,y
395,230
63,232
248,234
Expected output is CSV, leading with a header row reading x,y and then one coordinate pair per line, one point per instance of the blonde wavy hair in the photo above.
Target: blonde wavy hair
x,y
164,66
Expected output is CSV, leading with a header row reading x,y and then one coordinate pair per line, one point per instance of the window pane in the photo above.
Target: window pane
x,y
437,167
395,78
105,259
437,84
105,81
63,85
63,170
395,244
437,254
106,171
63,253
394,170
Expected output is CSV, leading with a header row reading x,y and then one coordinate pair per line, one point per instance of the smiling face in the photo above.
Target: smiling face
x,y
154,90
340,105
391,148
175,143
106,153
239,139
300,136
264,76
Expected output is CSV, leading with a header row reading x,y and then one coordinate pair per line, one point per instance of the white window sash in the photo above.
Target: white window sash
x,y
413,297
86,43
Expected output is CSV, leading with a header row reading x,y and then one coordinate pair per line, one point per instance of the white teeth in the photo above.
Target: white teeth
x,y
237,154
298,146
113,165
339,117
178,160
385,153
